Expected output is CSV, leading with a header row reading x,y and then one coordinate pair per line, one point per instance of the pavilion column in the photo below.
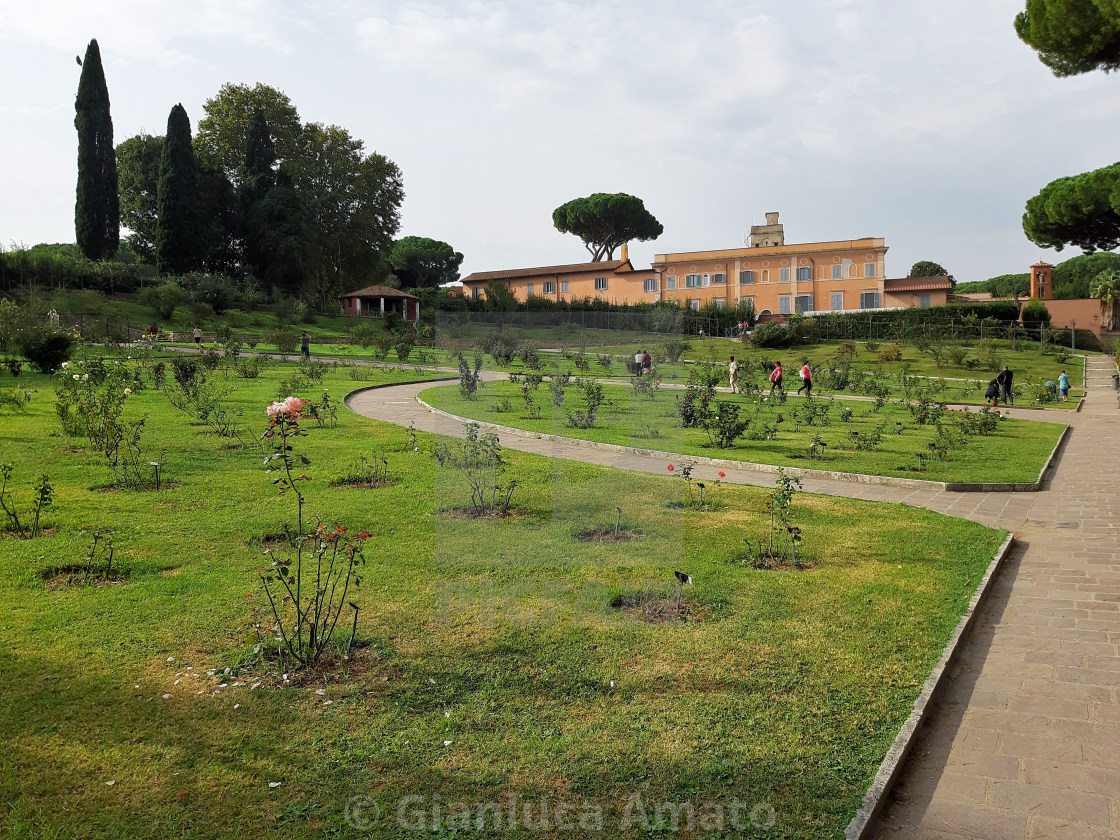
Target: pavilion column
x,y
382,307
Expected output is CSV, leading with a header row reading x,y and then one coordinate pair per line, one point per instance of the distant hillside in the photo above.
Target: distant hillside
x,y
1071,278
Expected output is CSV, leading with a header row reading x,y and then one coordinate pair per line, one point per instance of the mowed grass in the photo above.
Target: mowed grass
x,y
1015,452
496,665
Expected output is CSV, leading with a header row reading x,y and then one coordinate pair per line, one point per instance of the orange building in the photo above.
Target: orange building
x,y
779,279
614,281
916,292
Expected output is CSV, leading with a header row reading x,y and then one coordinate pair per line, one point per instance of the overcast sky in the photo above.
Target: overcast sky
x,y
926,123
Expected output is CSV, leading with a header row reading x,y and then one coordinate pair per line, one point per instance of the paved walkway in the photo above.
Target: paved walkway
x,y
1025,741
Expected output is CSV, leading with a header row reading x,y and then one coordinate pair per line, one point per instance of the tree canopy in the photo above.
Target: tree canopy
x,y
927,268
1072,278
420,262
138,177
96,208
1072,36
303,207
605,221
1077,210
224,131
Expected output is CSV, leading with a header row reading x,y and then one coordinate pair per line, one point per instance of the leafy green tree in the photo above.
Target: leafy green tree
x,y
926,268
281,239
97,209
224,132
605,221
259,169
419,262
163,299
138,170
219,233
352,200
1078,210
259,178
499,297
1034,313
1106,286
179,247
1072,36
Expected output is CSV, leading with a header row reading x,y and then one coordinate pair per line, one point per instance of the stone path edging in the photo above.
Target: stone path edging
x,y
896,756
799,472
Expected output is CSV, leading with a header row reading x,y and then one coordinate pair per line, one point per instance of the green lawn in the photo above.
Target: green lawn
x,y
496,664
1015,452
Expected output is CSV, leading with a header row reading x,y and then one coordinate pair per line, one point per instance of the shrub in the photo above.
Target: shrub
x,y
285,339
724,426
891,353
771,334
163,299
592,398
479,458
1035,313
46,350
364,331
674,348
469,379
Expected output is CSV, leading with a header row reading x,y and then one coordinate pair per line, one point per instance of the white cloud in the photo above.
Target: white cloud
x,y
851,117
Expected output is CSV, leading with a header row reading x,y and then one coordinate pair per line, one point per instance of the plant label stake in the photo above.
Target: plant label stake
x,y
618,522
682,579
353,629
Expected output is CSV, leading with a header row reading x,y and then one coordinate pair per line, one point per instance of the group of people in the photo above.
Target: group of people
x,y
775,377
304,340
643,362
999,389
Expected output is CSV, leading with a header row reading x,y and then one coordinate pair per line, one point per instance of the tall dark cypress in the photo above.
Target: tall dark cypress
x,y
97,208
257,180
179,244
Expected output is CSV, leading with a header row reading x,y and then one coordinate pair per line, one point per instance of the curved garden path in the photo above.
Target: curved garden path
x,y
1024,740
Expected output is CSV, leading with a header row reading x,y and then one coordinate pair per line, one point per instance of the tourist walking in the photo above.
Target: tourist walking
x,y
647,362
776,378
305,346
1004,379
153,334
638,362
197,338
733,374
1063,386
806,380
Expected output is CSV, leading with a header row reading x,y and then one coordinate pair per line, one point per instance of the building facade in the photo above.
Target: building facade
x,y
614,281
779,279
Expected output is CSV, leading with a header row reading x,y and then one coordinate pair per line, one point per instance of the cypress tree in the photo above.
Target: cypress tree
x,y
257,181
179,246
97,208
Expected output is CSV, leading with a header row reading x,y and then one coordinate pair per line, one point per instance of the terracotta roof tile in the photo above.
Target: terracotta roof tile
x,y
379,291
917,284
483,276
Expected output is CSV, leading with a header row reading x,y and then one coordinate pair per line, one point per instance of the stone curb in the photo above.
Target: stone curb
x,y
356,391
854,478
891,765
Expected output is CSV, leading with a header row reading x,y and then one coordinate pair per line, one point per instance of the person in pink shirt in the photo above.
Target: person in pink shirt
x,y
776,377
806,380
